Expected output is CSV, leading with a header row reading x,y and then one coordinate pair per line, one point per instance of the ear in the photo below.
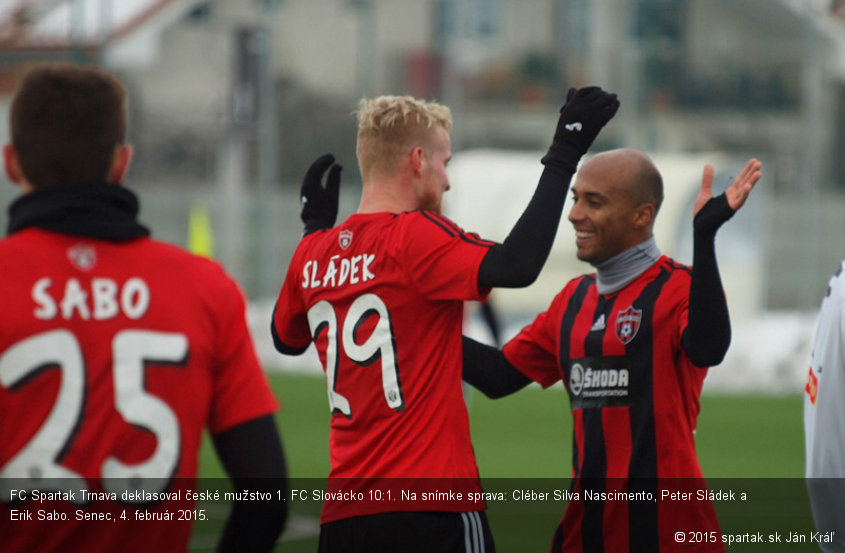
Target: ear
x,y
644,216
120,163
417,158
11,164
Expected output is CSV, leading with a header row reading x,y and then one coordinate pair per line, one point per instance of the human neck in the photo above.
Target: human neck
x,y
390,195
620,270
95,210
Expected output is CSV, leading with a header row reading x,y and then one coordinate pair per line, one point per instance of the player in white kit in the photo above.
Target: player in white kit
x,y
824,417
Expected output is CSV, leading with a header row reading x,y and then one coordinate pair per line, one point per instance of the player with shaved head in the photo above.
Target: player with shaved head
x,y
631,343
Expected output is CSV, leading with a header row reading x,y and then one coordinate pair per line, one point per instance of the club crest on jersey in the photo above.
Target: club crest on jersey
x,y
344,239
82,256
628,324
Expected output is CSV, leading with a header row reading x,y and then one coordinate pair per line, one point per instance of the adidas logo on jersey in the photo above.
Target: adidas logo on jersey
x,y
599,324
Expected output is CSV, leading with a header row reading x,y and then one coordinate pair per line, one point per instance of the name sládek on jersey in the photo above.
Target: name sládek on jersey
x,y
338,271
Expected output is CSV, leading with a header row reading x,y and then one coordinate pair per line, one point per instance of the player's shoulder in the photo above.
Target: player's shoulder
x,y
179,255
677,276
584,280
23,239
837,274
579,285
189,268
424,226
430,220
836,284
675,268
323,241
674,279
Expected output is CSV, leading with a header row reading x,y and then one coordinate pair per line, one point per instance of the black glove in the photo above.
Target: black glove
x,y
319,205
583,115
712,215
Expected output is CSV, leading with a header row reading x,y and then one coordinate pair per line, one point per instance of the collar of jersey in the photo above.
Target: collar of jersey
x,y
100,211
624,268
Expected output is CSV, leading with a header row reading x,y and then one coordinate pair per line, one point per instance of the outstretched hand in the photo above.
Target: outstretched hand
x,y
319,205
737,192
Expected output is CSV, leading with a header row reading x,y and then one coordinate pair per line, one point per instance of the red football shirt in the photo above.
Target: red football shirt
x,y
381,295
113,359
634,396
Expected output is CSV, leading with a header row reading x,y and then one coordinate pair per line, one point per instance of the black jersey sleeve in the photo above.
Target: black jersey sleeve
x,y
517,261
708,333
487,369
252,455
280,346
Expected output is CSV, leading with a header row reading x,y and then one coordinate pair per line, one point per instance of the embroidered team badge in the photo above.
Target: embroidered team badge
x,y
628,324
344,239
82,256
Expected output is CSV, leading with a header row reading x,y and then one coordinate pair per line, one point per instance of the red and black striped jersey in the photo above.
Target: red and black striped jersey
x,y
381,296
634,396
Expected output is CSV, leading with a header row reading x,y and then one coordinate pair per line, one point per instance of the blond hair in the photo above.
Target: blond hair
x,y
389,126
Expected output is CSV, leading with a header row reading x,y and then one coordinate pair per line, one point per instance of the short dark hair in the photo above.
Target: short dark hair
x,y
66,122
649,185
656,191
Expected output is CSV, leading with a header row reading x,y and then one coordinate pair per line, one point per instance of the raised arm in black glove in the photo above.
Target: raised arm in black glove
x,y
319,205
708,333
586,111
517,261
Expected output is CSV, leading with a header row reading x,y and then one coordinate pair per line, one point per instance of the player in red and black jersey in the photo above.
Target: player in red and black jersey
x,y
381,296
116,350
632,343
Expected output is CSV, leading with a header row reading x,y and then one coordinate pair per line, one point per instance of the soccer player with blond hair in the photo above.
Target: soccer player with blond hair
x,y
381,296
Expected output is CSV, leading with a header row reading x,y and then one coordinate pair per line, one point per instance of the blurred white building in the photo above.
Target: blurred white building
x,y
233,98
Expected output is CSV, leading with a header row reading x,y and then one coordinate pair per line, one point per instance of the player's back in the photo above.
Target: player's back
x,y
108,361
395,349
382,297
